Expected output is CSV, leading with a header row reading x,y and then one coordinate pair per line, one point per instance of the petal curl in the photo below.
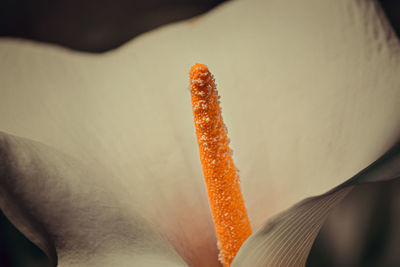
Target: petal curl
x,y
286,239
73,210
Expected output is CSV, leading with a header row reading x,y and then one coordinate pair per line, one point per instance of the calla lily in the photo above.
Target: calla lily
x,y
99,163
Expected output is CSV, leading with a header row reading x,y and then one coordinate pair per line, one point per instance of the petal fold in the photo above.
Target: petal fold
x,y
75,211
286,239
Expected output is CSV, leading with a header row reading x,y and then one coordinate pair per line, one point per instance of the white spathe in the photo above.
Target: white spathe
x,y
310,93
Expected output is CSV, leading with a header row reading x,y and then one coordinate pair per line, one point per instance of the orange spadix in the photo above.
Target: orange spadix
x,y
226,202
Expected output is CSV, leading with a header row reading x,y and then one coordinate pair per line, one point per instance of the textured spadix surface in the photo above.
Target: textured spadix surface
x,y
310,94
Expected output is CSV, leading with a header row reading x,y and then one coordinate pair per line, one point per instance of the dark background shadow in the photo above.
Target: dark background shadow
x,y
363,230
92,25
100,25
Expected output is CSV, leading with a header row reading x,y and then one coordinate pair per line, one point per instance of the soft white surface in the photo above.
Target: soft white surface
x,y
310,95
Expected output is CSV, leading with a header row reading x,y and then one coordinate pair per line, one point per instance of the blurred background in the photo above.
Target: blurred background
x,y
92,25
367,219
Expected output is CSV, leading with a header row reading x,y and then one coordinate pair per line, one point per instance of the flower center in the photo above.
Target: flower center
x,y
226,202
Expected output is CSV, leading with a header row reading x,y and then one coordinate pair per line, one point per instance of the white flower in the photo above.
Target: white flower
x,y
112,178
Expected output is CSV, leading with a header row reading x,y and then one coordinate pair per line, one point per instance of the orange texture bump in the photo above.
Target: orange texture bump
x,y
226,202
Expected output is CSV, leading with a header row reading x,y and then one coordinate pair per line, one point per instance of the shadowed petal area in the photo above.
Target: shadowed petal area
x,y
286,239
70,209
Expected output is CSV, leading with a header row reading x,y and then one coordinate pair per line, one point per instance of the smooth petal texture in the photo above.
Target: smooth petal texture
x,y
310,95
70,210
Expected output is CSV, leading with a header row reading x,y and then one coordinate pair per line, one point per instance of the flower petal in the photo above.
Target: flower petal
x,y
286,239
73,210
